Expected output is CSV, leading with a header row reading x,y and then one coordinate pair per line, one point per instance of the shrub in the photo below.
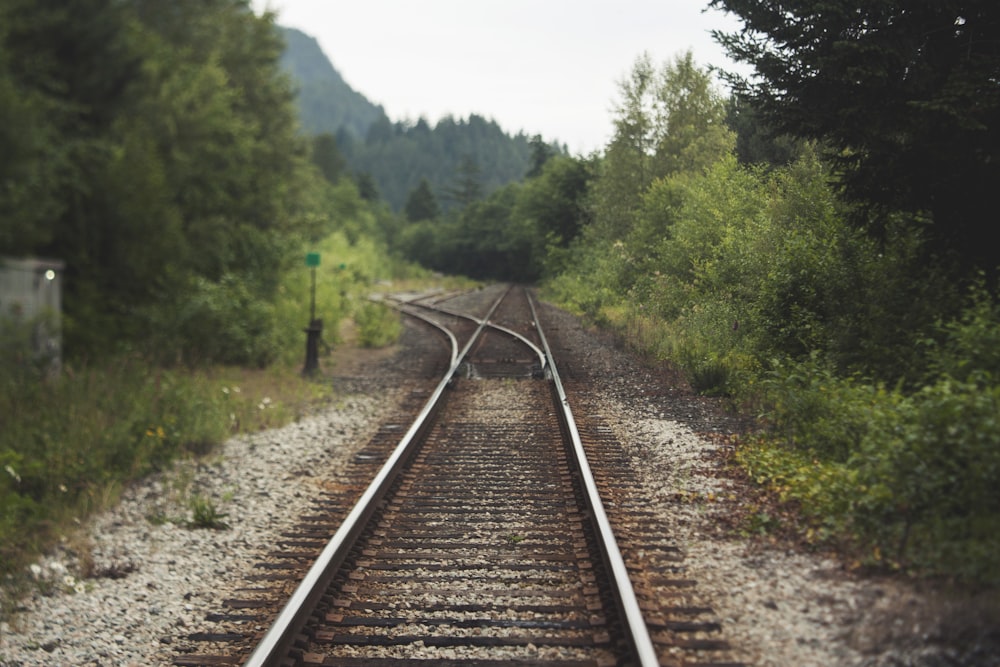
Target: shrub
x,y
909,478
69,443
227,322
378,324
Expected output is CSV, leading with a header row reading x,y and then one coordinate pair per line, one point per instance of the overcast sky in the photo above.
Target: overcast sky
x,y
548,67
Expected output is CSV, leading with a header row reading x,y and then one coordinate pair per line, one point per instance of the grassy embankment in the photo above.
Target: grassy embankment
x,y
70,444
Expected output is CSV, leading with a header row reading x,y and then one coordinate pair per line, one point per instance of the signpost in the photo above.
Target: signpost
x,y
315,329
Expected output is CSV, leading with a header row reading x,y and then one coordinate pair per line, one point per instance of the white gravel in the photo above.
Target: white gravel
x,y
781,607
778,607
170,573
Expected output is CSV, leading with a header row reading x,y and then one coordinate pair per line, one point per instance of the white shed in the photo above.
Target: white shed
x,y
31,293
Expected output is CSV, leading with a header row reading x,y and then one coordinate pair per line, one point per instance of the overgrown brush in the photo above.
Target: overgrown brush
x,y
907,476
879,395
70,443
378,324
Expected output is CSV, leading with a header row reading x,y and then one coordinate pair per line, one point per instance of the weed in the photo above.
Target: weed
x,y
204,514
378,325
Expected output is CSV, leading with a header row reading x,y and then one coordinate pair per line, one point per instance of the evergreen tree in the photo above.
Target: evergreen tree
x,y
667,120
540,154
468,185
366,186
327,157
905,94
422,204
155,153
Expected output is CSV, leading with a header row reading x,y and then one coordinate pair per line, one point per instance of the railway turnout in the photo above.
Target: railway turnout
x,y
482,539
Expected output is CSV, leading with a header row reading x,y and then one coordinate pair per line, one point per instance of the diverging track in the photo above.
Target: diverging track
x,y
482,540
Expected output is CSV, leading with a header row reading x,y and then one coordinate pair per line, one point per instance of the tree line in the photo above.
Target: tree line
x,y
814,246
389,159
154,148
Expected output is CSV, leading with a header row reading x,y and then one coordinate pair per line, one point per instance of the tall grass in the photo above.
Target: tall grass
x,y
69,444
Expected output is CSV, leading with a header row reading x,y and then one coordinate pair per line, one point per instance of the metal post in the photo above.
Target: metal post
x,y
313,333
315,329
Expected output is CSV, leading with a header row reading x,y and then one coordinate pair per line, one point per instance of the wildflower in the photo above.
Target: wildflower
x,y
225,390
62,488
12,473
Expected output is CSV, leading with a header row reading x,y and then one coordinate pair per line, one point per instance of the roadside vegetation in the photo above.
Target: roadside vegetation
x,y
839,286
163,166
812,249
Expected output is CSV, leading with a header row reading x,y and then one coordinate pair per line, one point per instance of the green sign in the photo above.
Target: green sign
x,y
312,259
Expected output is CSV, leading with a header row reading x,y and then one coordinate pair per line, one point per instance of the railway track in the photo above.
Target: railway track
x,y
482,540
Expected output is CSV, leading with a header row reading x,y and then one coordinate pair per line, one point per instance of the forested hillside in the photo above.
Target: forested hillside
x,y
325,103
457,158
462,160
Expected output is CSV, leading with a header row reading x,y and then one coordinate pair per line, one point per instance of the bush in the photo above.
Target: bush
x,y
227,322
378,324
908,477
69,443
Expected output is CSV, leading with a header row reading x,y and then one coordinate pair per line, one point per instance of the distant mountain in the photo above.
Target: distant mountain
x,y
398,155
326,103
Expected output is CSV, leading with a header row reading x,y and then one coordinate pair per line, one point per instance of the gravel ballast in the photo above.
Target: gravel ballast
x,y
152,577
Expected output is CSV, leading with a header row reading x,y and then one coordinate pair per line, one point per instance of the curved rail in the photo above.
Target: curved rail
x,y
542,358
412,312
635,626
274,646
276,642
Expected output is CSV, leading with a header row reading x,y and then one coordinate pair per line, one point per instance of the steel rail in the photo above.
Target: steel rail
x,y
542,359
278,640
405,307
635,626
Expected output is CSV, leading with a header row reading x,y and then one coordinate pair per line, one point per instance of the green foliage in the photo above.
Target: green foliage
x,y
878,398
327,157
811,407
70,443
668,120
463,160
204,514
908,479
378,324
969,349
224,322
155,153
553,204
421,204
905,96
65,440
516,233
